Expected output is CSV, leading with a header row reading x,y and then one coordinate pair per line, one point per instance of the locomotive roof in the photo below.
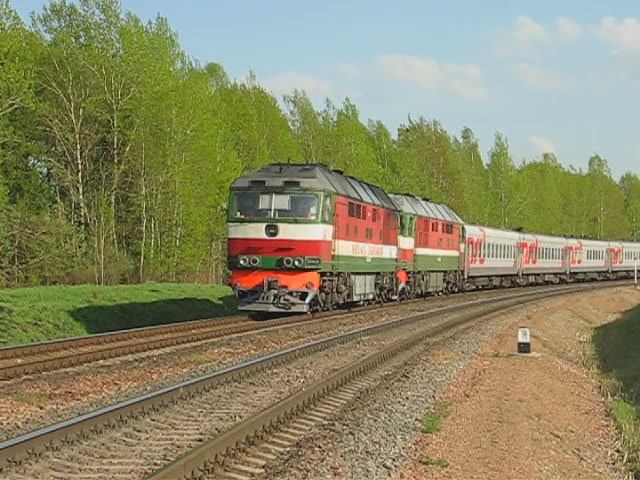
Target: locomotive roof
x,y
424,208
314,176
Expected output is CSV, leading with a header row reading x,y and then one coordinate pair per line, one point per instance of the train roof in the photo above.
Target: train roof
x,y
424,208
314,176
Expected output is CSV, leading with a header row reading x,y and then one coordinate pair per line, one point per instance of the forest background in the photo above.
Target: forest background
x,y
117,150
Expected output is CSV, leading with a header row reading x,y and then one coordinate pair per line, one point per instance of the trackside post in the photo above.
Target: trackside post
x,y
524,340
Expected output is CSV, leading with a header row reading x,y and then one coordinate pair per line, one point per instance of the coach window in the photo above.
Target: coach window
x,y
374,215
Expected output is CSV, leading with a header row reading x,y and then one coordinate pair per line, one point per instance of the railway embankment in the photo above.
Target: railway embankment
x,y
45,313
568,410
616,353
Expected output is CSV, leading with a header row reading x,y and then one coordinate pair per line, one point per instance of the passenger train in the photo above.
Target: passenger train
x,y
303,237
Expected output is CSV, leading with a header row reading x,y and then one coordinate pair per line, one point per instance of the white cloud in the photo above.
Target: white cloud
x,y
527,36
536,78
623,35
464,80
541,145
287,82
567,29
347,70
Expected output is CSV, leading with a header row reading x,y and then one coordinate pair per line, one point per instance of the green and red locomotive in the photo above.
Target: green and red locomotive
x,y
303,237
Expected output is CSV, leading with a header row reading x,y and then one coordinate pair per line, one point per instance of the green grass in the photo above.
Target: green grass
x,y
616,347
34,399
44,313
432,421
434,462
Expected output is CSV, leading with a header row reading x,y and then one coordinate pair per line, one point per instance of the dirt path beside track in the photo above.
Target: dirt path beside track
x,y
536,417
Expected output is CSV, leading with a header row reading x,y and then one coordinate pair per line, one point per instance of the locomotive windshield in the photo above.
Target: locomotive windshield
x,y
251,205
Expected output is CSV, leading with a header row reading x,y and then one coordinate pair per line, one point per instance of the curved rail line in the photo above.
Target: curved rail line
x,y
32,358
246,447
19,360
15,450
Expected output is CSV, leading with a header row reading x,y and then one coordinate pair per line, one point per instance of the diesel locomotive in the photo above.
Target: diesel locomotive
x,y
303,237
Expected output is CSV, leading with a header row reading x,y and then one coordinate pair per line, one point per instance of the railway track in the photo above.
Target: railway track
x,y
27,359
206,420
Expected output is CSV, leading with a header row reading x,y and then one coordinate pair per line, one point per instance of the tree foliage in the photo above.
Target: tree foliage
x,y
117,151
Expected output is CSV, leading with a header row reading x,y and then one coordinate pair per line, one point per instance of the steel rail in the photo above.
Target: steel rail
x,y
215,454
212,455
19,360
15,449
11,351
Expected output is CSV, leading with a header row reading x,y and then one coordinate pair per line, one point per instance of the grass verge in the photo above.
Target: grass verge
x,y
45,313
434,462
616,348
432,421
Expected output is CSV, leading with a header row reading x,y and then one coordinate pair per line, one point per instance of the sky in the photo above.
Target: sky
x,y
551,76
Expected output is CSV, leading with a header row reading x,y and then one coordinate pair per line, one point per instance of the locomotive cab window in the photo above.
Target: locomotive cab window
x,y
249,205
327,211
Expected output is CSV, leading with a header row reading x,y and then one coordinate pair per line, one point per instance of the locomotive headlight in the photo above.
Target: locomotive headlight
x,y
298,262
243,261
287,262
254,261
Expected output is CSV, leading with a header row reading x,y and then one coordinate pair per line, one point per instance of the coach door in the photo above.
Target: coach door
x,y
566,259
609,259
520,253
